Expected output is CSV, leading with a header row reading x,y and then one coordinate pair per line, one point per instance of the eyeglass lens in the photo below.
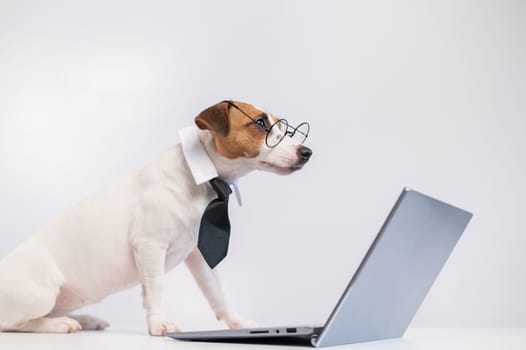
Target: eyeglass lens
x,y
282,128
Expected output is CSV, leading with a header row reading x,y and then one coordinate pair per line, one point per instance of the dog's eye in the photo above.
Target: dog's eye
x,y
261,122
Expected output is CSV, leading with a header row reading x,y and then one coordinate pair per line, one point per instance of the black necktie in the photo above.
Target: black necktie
x,y
214,231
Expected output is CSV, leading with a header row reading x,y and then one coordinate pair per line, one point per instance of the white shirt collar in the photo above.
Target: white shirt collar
x,y
199,162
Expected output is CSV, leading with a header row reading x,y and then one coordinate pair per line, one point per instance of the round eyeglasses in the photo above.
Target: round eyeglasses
x,y
279,129
282,128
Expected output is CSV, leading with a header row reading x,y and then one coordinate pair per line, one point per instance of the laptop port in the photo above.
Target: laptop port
x,y
291,330
258,332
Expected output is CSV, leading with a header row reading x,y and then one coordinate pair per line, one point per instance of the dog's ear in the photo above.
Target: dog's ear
x,y
215,119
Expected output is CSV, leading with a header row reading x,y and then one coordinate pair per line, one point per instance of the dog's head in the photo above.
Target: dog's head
x,y
242,131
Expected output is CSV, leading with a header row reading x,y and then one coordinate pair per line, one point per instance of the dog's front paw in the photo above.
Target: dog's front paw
x,y
158,327
234,321
240,323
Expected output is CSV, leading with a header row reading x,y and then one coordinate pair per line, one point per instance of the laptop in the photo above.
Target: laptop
x,y
388,287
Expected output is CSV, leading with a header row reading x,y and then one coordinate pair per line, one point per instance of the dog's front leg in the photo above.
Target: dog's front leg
x,y
209,284
150,259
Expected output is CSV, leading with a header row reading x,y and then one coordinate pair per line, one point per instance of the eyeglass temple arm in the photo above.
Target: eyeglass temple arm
x,y
230,103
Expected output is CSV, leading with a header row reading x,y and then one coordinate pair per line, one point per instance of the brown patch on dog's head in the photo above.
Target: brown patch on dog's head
x,y
234,134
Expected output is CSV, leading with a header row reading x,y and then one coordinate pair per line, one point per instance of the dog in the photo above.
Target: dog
x,y
139,227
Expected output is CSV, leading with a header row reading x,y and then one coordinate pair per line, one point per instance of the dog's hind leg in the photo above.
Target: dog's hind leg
x,y
26,309
29,285
48,325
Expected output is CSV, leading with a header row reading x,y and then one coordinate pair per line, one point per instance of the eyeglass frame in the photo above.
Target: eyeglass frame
x,y
268,130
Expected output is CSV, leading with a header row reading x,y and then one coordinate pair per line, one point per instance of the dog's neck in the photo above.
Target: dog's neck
x,y
228,169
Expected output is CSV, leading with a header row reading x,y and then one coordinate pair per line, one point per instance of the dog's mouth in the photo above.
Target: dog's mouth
x,y
282,169
298,166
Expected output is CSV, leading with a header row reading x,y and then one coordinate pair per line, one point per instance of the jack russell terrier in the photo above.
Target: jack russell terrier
x,y
143,225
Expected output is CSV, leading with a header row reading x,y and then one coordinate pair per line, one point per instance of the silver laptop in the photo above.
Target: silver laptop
x,y
388,287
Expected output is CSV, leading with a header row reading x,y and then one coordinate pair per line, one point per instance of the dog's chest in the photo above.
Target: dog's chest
x,y
187,219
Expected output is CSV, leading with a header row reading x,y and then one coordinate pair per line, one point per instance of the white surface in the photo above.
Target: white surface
x,y
415,339
428,94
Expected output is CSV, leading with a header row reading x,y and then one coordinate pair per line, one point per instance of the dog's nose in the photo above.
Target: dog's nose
x,y
304,152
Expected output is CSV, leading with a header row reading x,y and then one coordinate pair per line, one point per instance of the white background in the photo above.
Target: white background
x,y
431,95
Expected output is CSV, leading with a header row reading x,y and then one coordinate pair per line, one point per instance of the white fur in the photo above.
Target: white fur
x,y
130,232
